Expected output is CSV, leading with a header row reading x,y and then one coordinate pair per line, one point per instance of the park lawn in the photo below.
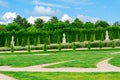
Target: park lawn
x,y
115,60
63,76
81,58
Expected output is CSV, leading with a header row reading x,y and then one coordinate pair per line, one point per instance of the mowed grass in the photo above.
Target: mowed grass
x,y
63,76
115,60
84,59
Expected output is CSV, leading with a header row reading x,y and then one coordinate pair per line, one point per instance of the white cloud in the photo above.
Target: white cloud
x,y
79,2
45,11
66,17
31,19
87,18
3,3
7,17
36,2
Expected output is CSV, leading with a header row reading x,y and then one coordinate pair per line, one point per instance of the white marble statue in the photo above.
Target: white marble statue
x,y
64,39
107,36
12,41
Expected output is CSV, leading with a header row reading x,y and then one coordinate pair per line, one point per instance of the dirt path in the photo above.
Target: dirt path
x,y
102,66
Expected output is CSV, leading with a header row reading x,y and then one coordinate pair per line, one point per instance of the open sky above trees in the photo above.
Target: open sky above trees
x,y
85,10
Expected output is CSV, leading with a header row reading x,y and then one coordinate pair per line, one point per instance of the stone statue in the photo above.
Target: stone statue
x,y
64,39
12,41
107,36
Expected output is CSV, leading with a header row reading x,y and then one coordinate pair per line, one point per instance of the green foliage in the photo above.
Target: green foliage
x,y
89,46
58,39
13,26
35,41
48,40
89,25
12,48
100,44
74,46
45,47
23,42
39,23
59,47
6,43
103,24
17,42
113,44
38,40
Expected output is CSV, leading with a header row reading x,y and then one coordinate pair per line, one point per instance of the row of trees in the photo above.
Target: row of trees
x,y
52,31
20,23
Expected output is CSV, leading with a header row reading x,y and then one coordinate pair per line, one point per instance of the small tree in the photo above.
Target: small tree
x,y
17,42
76,37
23,42
38,40
28,42
113,44
58,40
100,44
73,46
89,46
48,40
59,47
12,48
6,43
35,42
45,47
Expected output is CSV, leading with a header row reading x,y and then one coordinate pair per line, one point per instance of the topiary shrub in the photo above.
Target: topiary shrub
x,y
100,44
23,42
28,42
59,47
45,47
12,48
113,44
89,46
73,46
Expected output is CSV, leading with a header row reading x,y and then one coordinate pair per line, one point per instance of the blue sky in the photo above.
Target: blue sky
x,y
86,10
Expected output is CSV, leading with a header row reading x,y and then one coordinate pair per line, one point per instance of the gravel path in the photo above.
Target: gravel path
x,y
102,66
5,77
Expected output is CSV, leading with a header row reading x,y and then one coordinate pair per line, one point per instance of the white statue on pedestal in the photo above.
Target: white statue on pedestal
x,y
12,41
107,36
64,39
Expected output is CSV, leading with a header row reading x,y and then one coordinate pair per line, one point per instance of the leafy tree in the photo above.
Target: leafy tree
x,y
39,23
77,23
89,25
54,19
116,23
103,24
3,28
32,29
22,22
13,26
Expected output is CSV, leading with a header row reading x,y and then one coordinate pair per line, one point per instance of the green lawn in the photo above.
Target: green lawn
x,y
115,60
63,76
81,58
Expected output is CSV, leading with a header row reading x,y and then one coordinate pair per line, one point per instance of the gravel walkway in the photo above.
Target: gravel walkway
x,y
102,66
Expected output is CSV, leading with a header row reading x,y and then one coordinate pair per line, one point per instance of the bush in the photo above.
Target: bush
x,y
28,49
45,47
6,43
59,47
89,46
73,46
12,48
100,44
113,44
23,42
